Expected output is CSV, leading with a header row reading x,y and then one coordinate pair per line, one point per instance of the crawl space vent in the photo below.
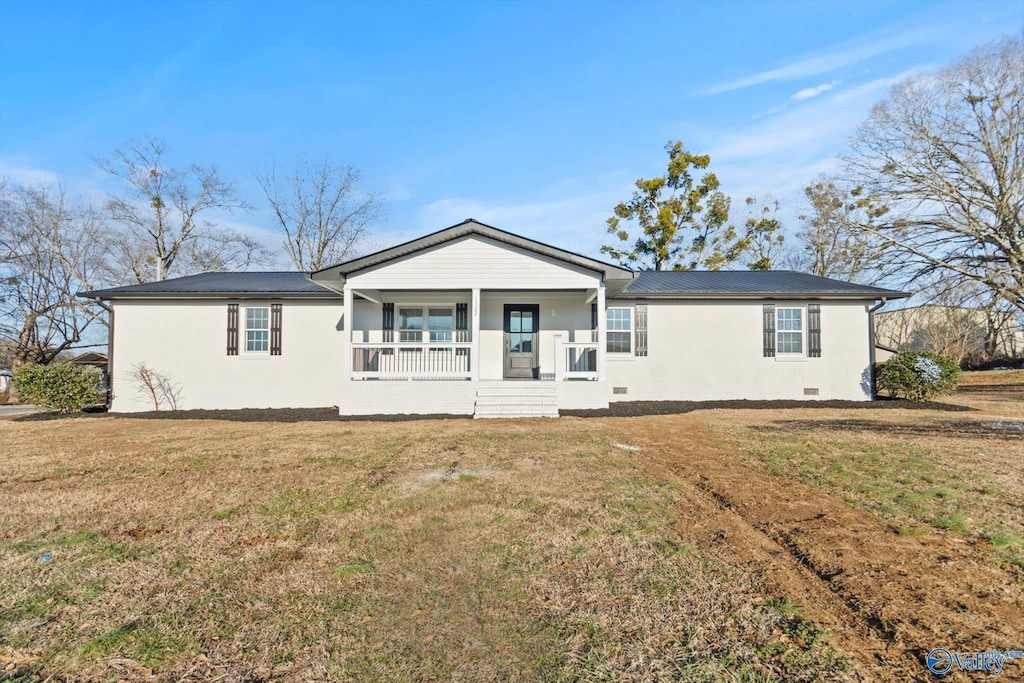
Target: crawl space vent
x,y
811,392
620,390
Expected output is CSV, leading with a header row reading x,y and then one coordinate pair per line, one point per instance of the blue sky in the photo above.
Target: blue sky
x,y
535,117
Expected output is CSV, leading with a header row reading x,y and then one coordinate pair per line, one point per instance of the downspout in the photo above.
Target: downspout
x,y
871,344
110,352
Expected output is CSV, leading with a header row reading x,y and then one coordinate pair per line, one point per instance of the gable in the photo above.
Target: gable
x,y
475,261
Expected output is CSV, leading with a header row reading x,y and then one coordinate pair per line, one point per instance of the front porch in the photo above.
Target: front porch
x,y
459,351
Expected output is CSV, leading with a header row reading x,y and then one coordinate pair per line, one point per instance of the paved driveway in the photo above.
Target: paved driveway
x,y
17,410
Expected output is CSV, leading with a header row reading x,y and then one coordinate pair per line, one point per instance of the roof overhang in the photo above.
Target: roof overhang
x,y
101,295
761,296
463,229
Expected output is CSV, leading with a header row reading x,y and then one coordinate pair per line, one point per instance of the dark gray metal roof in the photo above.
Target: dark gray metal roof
x,y
288,284
471,226
746,284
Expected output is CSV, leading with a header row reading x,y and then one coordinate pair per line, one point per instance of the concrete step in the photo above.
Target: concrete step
x,y
516,400
515,411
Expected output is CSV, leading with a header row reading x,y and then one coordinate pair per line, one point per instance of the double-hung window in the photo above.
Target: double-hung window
x,y
257,329
418,324
789,330
620,330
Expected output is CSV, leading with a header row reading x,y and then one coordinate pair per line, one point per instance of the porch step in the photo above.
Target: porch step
x,y
517,400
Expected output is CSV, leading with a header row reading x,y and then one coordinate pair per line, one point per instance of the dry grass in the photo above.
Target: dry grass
x,y
403,551
961,472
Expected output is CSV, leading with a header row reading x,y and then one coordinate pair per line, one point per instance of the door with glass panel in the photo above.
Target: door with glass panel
x,y
521,341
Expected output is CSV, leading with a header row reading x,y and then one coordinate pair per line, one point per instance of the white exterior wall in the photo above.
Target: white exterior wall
x,y
187,342
706,351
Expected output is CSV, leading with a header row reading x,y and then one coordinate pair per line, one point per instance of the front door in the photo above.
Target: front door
x,y
521,341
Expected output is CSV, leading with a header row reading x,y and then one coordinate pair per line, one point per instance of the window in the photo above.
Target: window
x,y
438,323
257,330
620,330
789,328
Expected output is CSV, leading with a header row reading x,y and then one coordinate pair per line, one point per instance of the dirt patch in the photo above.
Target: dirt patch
x,y
887,598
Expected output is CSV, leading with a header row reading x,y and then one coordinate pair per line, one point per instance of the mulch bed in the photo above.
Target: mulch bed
x,y
641,408
624,409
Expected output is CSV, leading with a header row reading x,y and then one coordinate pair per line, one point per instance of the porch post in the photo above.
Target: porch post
x,y
602,333
346,337
474,353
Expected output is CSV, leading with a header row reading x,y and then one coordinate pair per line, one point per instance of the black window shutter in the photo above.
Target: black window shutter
x,y
641,329
232,329
461,322
275,329
769,330
814,330
593,322
387,324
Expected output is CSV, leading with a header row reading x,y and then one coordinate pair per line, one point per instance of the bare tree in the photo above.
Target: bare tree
x,y
163,211
828,243
317,205
945,154
51,247
157,387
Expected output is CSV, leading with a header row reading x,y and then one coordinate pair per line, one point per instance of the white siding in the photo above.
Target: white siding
x,y
474,261
703,351
187,342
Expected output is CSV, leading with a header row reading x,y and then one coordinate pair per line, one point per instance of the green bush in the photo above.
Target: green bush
x,y
919,375
63,387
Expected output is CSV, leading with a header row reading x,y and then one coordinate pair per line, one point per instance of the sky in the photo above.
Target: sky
x,y
535,117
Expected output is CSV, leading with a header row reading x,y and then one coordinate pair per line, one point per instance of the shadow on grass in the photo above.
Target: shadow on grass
x,y
960,429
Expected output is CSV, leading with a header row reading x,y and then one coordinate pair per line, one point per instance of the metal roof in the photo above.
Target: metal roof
x,y
282,284
746,284
471,226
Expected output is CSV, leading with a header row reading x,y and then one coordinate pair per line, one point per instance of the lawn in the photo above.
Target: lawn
x,y
956,471
442,549
743,544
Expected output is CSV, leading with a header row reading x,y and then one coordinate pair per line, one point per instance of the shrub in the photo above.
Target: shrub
x,y
919,375
63,387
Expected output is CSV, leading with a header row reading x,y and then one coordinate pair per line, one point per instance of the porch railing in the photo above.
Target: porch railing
x,y
579,360
411,361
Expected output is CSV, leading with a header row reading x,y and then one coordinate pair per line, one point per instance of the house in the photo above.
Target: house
x,y
476,320
960,332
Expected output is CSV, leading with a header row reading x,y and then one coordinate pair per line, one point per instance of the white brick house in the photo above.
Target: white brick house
x,y
475,320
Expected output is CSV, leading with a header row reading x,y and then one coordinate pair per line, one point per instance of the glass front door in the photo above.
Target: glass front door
x,y
521,341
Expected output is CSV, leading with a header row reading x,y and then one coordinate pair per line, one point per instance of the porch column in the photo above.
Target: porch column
x,y
346,337
602,333
474,353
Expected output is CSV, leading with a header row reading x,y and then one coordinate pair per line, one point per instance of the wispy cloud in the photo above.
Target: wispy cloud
x,y
576,222
808,93
844,54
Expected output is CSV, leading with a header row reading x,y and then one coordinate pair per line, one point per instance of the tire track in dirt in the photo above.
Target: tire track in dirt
x,y
886,599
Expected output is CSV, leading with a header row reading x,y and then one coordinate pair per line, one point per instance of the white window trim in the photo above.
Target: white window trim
x,y
632,332
791,355
244,330
425,340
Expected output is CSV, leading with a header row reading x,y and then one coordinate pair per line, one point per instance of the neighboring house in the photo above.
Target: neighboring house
x,y
961,333
5,381
475,320
94,359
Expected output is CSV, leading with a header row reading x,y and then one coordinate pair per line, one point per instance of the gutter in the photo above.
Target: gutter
x,y
110,352
871,344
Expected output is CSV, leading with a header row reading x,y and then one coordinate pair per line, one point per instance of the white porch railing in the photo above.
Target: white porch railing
x,y
577,360
395,360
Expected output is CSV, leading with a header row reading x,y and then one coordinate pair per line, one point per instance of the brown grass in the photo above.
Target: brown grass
x,y
533,550
958,472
